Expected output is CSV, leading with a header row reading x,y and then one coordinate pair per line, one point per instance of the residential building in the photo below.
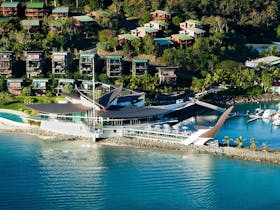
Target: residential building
x,y
161,44
191,24
193,32
6,63
161,15
139,66
126,38
34,63
14,86
61,62
181,39
64,85
276,86
31,26
157,24
35,10
10,9
87,63
83,21
114,66
39,86
267,61
143,31
60,12
167,75
85,86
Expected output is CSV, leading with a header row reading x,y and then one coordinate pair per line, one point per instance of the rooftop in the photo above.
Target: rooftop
x,y
196,30
59,53
163,41
140,60
10,4
167,68
128,112
160,23
115,56
269,60
60,10
40,79
129,37
5,19
35,5
59,108
30,22
14,80
66,80
161,11
197,22
183,37
83,18
148,30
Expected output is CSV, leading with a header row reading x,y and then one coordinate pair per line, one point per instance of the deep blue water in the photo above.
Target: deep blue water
x,y
9,116
38,174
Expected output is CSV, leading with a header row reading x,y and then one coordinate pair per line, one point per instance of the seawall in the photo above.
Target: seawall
x,y
230,152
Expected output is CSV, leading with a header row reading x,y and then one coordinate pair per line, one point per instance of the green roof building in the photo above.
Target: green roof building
x,y
139,67
60,12
10,9
35,10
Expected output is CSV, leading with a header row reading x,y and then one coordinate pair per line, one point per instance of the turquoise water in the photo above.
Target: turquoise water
x,y
9,116
38,174
261,130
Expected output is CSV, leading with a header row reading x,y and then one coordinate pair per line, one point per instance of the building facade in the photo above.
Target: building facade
x,y
114,66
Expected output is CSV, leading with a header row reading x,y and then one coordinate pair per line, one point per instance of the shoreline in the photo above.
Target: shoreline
x,y
228,152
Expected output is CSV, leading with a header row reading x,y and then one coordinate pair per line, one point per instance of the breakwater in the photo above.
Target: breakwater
x,y
230,152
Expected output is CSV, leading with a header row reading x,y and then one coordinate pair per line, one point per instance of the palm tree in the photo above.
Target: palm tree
x,y
227,140
253,144
239,141
265,148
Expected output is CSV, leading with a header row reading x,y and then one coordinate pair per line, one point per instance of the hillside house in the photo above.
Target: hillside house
x,y
60,12
10,9
126,38
139,66
87,63
35,10
193,32
64,85
85,86
39,86
191,24
14,86
181,39
6,63
31,26
61,62
114,66
143,31
161,15
158,25
167,75
161,44
34,63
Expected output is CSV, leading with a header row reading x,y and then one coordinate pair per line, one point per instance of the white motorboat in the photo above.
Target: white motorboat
x,y
257,113
276,122
268,113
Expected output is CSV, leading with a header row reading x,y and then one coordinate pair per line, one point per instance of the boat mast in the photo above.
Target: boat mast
x,y
93,100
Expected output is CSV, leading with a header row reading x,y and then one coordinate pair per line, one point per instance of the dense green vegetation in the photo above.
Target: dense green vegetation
x,y
214,59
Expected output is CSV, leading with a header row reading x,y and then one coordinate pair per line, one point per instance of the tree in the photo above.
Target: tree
x,y
176,20
253,145
227,140
2,84
239,141
149,45
136,44
26,91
